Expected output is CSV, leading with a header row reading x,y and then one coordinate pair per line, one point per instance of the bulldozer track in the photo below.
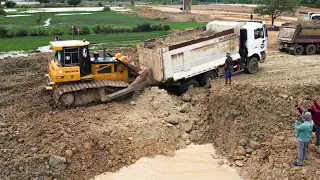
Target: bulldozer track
x,y
95,84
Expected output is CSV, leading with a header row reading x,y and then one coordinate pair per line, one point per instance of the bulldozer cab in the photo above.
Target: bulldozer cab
x,y
73,53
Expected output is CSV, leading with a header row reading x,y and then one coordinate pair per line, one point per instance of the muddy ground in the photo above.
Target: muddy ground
x,y
251,122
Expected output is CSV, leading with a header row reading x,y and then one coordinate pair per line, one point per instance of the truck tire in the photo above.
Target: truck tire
x,y
252,65
188,84
298,50
311,49
206,77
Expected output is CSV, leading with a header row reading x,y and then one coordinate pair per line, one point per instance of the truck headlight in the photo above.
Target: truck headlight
x,y
60,72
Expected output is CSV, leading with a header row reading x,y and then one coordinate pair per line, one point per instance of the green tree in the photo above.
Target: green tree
x,y
275,8
39,20
74,2
43,1
10,4
132,2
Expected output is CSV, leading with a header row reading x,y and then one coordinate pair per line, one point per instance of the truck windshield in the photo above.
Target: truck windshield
x,y
315,18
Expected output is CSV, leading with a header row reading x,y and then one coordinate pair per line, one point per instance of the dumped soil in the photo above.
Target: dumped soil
x,y
40,141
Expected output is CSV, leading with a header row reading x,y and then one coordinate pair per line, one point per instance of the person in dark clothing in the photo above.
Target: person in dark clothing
x,y
228,66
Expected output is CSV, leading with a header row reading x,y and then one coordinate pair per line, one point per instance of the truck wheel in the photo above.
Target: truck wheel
x,y
298,50
311,49
252,66
187,84
207,77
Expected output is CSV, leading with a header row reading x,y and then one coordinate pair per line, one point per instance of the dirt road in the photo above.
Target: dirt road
x,y
232,13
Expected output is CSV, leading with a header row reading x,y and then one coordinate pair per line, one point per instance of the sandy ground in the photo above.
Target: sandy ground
x,y
250,123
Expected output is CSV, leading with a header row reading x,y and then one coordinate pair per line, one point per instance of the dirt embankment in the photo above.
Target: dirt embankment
x,y
253,126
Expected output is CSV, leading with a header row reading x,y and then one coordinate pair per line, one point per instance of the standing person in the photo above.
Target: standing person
x,y
304,135
316,121
57,38
228,66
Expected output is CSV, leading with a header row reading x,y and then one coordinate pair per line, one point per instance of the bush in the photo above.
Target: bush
x,y
2,12
22,32
3,32
100,4
121,30
97,29
74,2
57,31
166,27
85,30
11,35
145,27
107,8
157,27
43,1
10,4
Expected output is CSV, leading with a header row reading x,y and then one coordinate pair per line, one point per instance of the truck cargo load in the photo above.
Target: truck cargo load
x,y
191,58
302,37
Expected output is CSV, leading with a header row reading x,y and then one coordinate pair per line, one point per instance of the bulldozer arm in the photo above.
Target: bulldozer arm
x,y
140,82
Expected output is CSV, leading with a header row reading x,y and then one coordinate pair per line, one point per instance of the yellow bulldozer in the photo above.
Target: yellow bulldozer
x,y
77,79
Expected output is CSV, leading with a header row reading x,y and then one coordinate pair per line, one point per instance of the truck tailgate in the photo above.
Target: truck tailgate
x,y
287,34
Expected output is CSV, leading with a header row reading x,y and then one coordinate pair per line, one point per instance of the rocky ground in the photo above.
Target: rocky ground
x,y
251,122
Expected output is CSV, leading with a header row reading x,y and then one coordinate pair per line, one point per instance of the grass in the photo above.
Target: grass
x,y
64,23
97,41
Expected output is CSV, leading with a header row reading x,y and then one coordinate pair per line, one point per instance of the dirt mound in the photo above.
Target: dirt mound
x,y
149,12
254,127
40,141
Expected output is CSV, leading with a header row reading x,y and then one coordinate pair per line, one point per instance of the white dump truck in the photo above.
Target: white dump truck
x,y
193,58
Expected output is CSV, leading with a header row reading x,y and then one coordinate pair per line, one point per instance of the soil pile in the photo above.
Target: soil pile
x,y
254,127
39,141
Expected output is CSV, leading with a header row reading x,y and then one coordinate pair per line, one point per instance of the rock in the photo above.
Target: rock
x,y
241,151
281,138
255,145
130,138
284,96
242,142
188,142
132,103
172,120
57,162
156,105
248,155
239,163
218,142
220,162
249,150
87,146
21,168
34,149
187,126
186,98
68,153
185,136
214,156
68,130
231,164
239,157
169,125
184,108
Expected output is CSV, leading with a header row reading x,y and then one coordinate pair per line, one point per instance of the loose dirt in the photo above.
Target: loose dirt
x,y
250,123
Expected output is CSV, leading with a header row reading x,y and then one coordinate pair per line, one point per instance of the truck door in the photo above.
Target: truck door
x,y
260,40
